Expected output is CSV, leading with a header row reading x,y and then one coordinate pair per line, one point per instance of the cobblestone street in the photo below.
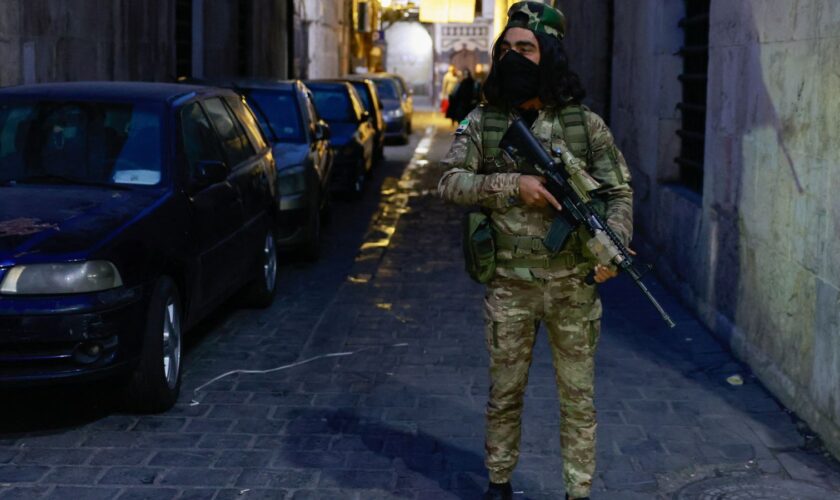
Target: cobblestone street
x,y
368,380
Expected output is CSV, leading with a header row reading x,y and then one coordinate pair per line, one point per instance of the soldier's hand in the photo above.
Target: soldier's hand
x,y
603,273
533,193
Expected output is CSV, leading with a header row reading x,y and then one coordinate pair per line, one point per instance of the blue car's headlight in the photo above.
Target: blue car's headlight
x,y
394,113
50,279
291,180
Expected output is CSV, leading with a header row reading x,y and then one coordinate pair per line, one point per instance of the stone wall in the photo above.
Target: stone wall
x,y
587,23
265,43
326,27
270,58
756,251
55,40
66,40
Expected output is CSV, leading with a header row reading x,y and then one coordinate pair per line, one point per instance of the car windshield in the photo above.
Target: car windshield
x,y
362,90
278,114
80,142
333,105
387,89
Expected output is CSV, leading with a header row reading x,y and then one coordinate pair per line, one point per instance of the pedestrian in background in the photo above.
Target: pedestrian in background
x,y
463,99
447,87
530,77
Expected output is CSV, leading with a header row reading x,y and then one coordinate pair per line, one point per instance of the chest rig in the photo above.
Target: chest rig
x,y
568,125
494,123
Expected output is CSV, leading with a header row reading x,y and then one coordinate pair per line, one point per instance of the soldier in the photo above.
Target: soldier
x,y
530,77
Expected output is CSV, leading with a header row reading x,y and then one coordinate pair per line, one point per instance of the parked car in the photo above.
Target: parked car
x,y
128,212
397,105
373,104
351,132
300,142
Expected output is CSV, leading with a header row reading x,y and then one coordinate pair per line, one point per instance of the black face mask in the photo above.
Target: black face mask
x,y
519,77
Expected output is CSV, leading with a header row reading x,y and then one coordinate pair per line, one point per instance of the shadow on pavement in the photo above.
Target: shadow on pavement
x,y
49,410
421,461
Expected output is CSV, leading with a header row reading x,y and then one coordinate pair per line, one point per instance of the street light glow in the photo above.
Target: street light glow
x,y
447,11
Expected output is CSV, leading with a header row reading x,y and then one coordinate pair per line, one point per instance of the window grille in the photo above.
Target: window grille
x,y
694,77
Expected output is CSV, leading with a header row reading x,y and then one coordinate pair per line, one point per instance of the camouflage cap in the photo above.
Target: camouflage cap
x,y
538,17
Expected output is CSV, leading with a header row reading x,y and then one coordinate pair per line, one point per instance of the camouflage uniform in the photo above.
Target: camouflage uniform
x,y
518,299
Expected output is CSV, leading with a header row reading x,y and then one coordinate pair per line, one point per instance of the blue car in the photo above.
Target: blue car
x,y
128,212
300,139
397,105
352,134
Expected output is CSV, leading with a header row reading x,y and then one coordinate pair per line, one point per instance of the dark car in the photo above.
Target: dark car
x,y
300,141
373,104
397,105
128,212
351,132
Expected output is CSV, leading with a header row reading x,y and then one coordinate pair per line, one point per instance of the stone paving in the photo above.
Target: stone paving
x,y
389,397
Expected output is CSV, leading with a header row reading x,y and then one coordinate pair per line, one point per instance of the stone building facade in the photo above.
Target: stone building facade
x,y
589,56
323,34
754,246
465,45
160,40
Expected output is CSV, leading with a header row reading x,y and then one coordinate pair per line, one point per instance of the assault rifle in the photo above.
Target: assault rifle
x,y
568,184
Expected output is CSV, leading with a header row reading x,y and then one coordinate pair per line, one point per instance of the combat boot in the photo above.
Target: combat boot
x,y
499,491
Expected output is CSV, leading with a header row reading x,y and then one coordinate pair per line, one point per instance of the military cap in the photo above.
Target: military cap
x,y
538,17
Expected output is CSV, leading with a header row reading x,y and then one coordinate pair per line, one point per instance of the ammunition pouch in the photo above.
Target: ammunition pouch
x,y
479,247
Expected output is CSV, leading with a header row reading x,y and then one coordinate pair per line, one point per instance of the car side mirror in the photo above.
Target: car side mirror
x,y
209,172
322,130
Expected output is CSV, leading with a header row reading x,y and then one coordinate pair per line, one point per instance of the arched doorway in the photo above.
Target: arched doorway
x,y
464,59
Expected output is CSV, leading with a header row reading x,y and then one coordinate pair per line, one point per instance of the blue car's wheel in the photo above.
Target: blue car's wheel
x,y
260,292
156,382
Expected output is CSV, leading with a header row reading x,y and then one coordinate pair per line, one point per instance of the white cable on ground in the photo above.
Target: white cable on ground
x,y
290,365
421,150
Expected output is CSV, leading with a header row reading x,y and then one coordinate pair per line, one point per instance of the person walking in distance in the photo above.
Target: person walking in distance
x,y
464,99
530,78
447,87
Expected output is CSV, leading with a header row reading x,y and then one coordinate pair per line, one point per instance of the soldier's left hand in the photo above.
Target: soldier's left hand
x,y
603,273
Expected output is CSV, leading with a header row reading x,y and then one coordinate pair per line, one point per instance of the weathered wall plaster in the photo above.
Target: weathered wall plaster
x,y
757,251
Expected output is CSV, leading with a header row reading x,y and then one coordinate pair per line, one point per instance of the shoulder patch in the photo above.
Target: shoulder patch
x,y
462,127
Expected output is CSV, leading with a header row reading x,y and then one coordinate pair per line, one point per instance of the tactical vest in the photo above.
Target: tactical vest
x,y
494,123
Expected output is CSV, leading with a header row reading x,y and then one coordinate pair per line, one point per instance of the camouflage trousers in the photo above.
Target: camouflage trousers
x,y
571,312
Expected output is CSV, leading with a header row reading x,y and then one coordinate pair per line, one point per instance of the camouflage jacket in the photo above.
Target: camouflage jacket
x,y
472,179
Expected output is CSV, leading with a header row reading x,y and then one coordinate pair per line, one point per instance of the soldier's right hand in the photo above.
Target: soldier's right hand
x,y
533,193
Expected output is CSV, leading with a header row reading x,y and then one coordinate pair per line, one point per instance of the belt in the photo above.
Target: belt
x,y
525,253
563,260
517,244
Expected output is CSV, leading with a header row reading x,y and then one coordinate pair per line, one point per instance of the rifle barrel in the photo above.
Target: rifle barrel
x,y
655,303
